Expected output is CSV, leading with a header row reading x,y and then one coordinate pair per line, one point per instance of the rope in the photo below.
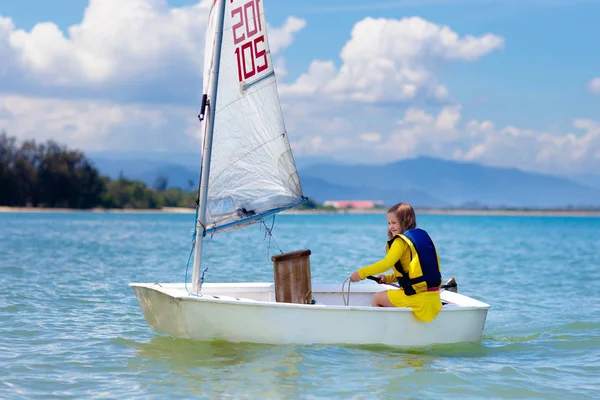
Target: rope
x,y
186,272
346,301
270,233
202,279
190,256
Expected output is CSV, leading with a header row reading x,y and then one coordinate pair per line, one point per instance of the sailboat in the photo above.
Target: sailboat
x,y
248,174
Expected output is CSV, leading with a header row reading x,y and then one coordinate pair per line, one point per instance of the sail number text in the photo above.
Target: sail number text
x,y
249,40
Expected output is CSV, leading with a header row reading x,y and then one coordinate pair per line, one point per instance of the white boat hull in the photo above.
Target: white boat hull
x,y
247,312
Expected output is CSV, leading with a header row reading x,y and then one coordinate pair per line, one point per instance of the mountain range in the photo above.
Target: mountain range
x,y
422,181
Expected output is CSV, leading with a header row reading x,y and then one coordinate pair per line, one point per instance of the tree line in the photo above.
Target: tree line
x,y
51,175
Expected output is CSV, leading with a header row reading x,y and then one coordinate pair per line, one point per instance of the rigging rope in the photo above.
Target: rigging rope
x,y
270,233
346,301
190,256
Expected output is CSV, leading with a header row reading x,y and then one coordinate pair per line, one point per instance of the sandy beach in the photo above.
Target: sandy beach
x,y
183,210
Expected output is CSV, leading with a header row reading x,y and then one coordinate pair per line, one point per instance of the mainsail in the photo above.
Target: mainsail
x,y
252,169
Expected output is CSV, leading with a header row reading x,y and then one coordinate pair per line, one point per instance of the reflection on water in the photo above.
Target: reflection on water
x,y
275,370
191,353
290,371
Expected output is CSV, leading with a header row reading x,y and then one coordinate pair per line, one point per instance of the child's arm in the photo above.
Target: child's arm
x,y
392,257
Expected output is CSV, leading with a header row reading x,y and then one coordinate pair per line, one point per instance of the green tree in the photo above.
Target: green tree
x,y
51,175
46,175
8,180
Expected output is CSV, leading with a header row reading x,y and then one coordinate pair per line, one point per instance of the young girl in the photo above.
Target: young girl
x,y
415,263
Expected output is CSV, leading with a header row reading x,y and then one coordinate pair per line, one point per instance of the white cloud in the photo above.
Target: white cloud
x,y
445,135
371,137
419,131
93,125
594,85
392,60
6,28
281,38
85,88
116,41
139,49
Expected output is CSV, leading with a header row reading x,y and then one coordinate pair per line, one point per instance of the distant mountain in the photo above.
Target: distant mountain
x,y
177,176
190,159
179,168
304,162
149,170
591,180
321,190
423,181
459,183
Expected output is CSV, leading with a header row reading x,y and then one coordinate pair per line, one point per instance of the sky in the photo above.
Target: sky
x,y
512,83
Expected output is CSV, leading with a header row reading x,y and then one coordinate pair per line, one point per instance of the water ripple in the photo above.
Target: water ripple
x,y
71,327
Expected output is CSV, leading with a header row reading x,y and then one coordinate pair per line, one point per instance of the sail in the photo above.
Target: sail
x,y
252,169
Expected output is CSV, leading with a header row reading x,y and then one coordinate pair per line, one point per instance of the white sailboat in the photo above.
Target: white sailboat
x,y
248,174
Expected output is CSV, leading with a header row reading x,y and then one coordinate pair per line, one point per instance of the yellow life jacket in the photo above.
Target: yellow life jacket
x,y
423,270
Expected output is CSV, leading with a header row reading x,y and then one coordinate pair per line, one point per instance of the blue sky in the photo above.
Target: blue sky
x,y
527,98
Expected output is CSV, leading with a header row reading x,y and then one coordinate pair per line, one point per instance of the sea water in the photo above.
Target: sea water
x,y
70,327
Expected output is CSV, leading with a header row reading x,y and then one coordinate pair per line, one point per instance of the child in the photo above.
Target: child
x,y
412,256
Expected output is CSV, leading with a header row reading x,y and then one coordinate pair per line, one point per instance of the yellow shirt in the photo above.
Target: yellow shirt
x,y
426,305
398,251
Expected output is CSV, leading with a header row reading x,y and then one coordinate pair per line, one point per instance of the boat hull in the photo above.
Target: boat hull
x,y
248,313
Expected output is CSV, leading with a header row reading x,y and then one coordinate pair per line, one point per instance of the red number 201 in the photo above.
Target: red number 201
x,y
252,21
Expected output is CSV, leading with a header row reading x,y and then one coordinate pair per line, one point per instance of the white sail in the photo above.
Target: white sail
x,y
252,169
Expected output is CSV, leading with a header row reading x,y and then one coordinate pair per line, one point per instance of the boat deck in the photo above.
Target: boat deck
x,y
323,294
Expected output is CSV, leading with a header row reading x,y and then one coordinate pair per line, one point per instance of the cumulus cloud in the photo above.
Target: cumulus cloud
x,y
134,49
281,38
444,134
392,60
594,85
113,81
115,42
371,137
149,57
93,125
6,28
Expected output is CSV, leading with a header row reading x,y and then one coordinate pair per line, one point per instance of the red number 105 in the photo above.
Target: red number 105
x,y
251,56
247,56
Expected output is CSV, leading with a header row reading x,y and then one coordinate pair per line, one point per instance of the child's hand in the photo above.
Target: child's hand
x,y
382,279
355,277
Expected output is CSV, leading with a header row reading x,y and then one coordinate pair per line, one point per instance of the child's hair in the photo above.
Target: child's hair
x,y
406,216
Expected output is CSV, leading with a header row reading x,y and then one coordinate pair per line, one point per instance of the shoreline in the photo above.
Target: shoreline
x,y
183,210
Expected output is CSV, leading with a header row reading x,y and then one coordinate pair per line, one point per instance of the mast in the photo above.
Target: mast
x,y
212,101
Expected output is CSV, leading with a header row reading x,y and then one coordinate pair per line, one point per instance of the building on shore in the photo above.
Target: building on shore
x,y
353,203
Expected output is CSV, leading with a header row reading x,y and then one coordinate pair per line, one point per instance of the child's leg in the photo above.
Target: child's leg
x,y
381,299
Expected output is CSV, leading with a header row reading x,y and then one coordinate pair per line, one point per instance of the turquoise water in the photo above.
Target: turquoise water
x,y
70,327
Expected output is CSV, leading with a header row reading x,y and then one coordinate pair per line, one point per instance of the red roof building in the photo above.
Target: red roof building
x,y
353,203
